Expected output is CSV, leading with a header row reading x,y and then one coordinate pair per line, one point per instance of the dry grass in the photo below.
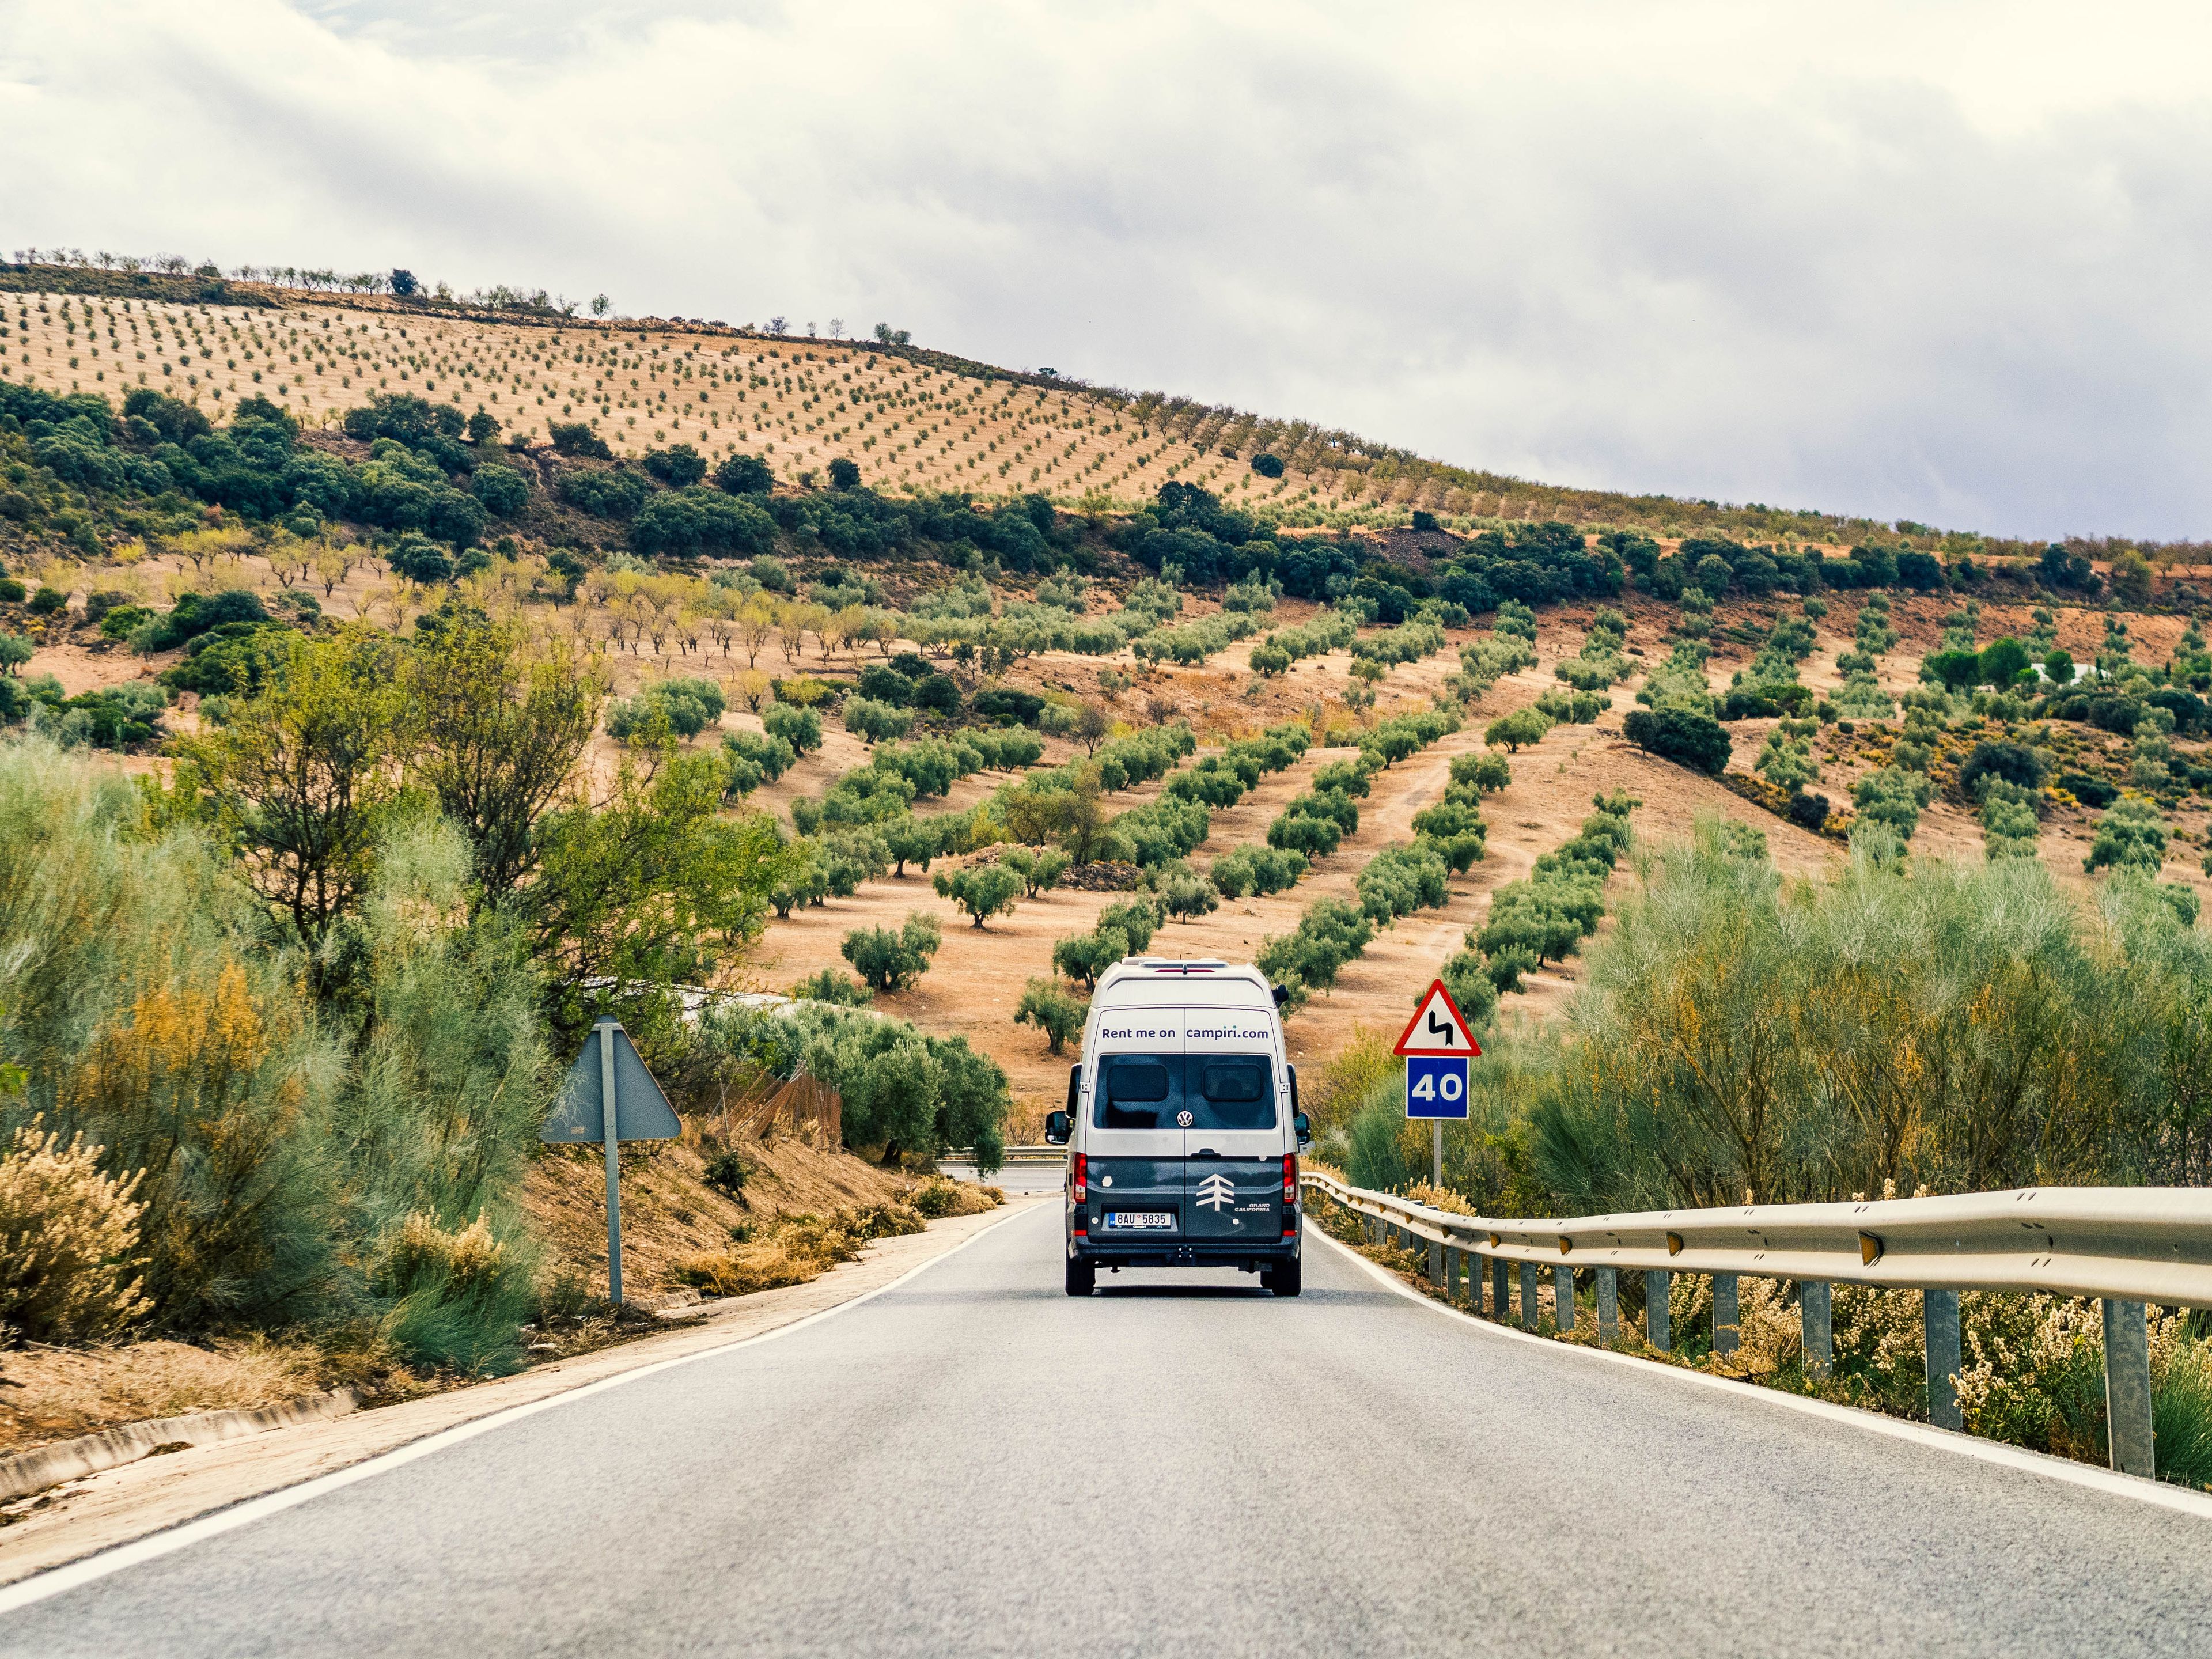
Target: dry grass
x,y
671,1215
56,1393
799,1248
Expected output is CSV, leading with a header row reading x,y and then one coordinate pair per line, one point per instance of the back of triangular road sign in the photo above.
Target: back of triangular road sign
x,y
1437,1027
643,1112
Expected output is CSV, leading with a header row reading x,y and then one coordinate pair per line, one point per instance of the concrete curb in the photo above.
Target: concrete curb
x,y
88,1454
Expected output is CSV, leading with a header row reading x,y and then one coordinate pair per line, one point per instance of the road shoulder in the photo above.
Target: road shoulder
x,y
155,1493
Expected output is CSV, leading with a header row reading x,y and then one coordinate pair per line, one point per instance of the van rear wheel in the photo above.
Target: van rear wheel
x,y
1285,1280
1082,1276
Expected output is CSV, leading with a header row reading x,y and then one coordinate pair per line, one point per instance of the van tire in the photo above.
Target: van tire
x,y
1285,1280
1082,1276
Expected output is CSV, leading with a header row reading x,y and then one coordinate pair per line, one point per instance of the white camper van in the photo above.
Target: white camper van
x,y
1182,1126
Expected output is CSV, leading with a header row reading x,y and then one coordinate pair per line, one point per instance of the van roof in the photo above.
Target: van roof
x,y
1193,979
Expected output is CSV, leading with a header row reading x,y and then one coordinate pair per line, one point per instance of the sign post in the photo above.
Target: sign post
x,y
1437,1046
611,1098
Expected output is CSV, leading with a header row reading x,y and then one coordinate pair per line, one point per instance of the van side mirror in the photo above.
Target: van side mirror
x,y
1304,1125
1279,993
1057,1128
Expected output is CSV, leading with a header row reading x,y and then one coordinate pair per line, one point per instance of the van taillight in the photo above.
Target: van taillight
x,y
1291,1178
1078,1183
1082,1177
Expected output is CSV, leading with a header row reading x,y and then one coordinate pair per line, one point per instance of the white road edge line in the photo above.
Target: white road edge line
x,y
71,1574
2160,1493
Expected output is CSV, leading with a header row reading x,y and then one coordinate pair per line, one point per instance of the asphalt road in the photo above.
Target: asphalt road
x,y
973,1463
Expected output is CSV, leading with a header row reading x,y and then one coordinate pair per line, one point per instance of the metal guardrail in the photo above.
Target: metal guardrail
x,y
2126,1247
1011,1155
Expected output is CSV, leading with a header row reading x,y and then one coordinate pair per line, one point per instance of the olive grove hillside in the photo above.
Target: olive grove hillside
x,y
903,415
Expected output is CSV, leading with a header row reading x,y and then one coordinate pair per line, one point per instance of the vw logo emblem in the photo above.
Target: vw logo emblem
x,y
1183,1118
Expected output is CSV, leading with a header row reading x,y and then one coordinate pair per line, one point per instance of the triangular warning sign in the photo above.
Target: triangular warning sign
x,y
641,1112
1437,1027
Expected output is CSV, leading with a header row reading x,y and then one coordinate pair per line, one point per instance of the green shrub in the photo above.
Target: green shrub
x,y
2131,835
1182,893
1400,880
750,759
1696,741
124,620
1040,868
747,474
1892,797
689,706
608,493
890,962
982,891
1054,1009
1243,871
452,1290
1481,773
678,466
1523,725
501,489
831,986
2010,828
577,438
903,1090
1085,957
800,727
1307,959
726,1171
874,721
1135,919
1467,978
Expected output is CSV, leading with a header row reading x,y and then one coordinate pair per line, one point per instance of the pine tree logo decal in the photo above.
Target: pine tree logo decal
x,y
1216,1192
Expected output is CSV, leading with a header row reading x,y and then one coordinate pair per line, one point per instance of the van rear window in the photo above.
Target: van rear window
x,y
1153,1092
1136,1093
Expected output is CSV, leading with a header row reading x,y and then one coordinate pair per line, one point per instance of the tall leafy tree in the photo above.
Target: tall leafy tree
x,y
307,775
501,733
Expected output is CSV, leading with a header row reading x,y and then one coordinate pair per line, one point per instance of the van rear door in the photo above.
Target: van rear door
x,y
1130,1137
1233,1146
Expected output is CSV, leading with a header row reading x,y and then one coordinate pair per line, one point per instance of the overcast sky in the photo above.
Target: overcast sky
x,y
1948,263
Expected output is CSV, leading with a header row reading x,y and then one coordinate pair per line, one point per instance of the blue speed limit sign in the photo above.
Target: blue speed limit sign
x,y
1436,1086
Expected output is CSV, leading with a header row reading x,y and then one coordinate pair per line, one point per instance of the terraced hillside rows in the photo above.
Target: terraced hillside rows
x,y
803,402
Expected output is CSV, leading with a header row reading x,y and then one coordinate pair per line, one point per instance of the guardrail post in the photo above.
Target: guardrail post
x,y
1608,1305
1818,1325
1726,1319
1563,1296
1450,1278
1657,1328
1374,1229
1501,1290
1939,1314
1529,1296
1435,1262
2127,1388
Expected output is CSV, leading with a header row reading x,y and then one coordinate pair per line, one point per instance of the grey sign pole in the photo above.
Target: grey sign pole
x,y
1438,1126
605,1033
585,1112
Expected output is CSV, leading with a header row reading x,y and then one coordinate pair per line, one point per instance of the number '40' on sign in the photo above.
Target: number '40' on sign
x,y
1436,1086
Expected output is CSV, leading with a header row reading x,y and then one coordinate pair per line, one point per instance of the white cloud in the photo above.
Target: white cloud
x,y
1937,262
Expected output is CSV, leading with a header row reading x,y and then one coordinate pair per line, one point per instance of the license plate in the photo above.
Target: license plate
x,y
1141,1220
